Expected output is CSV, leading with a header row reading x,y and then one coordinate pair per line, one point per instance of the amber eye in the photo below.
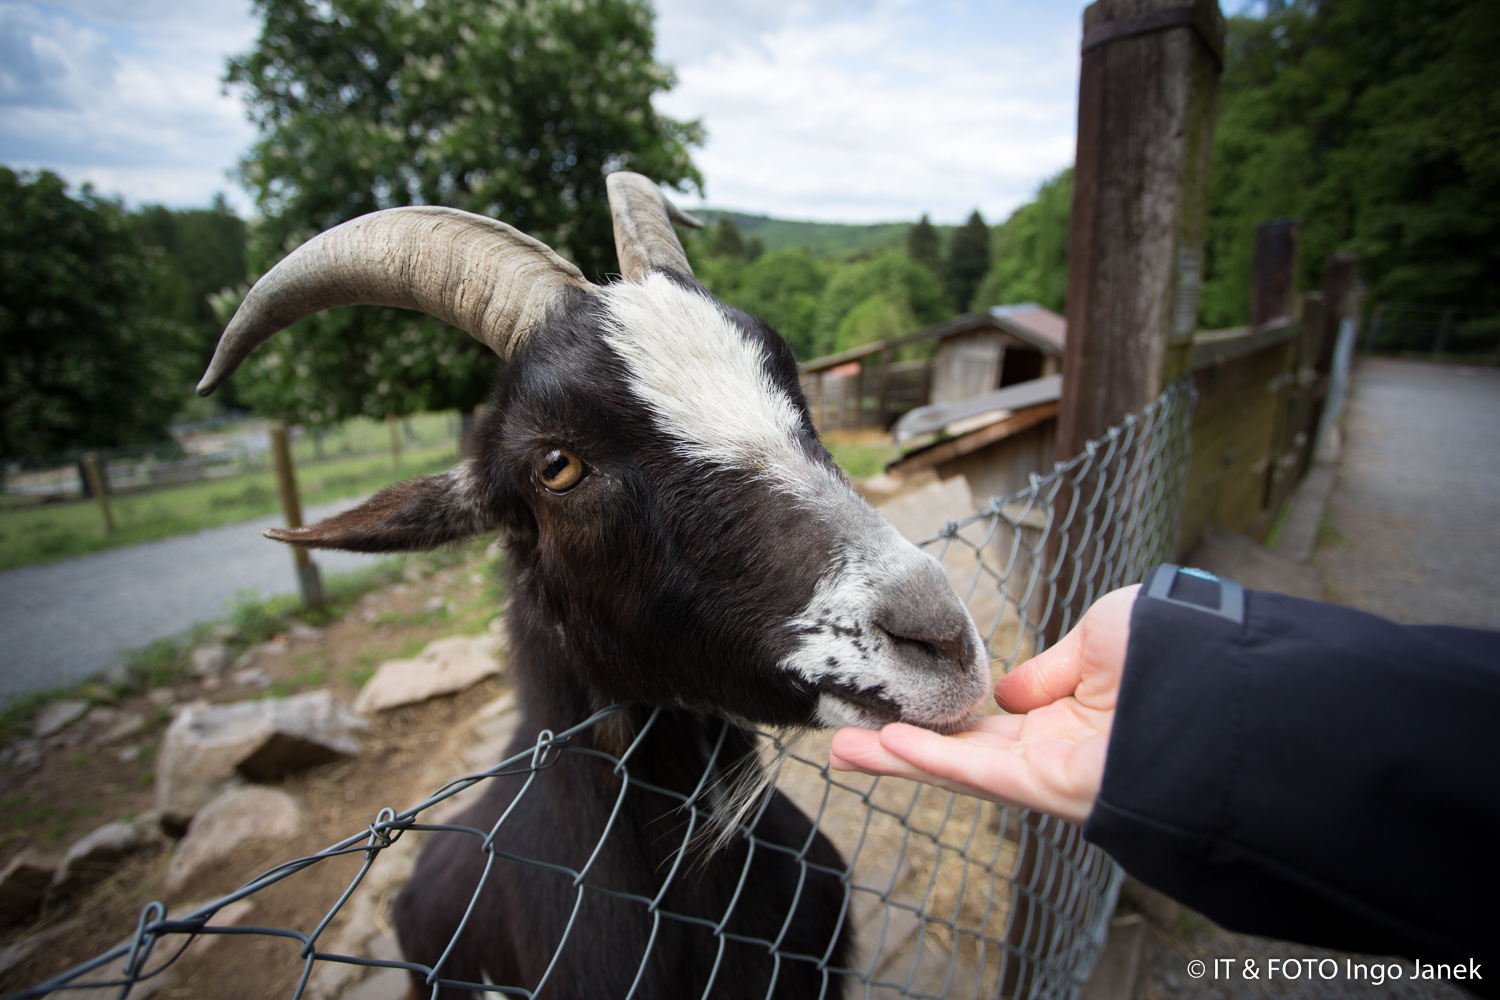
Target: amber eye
x,y
560,470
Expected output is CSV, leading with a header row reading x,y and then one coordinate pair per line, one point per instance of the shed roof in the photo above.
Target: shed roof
x,y
1034,323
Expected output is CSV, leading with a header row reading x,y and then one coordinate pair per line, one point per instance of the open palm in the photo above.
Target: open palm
x,y
1048,754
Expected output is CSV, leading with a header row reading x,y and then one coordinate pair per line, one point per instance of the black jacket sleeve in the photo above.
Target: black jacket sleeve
x,y
1310,772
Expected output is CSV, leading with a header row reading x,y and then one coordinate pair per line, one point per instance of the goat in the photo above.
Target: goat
x,y
677,538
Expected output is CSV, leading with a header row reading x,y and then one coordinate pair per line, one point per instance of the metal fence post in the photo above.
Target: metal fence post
x,y
95,476
308,580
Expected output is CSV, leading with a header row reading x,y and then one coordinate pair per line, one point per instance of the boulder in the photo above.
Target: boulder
x,y
99,853
232,820
210,748
209,659
446,666
23,886
56,717
123,728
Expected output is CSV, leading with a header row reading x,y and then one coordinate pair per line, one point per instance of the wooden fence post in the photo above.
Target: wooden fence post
x,y
95,476
1147,102
308,580
1273,279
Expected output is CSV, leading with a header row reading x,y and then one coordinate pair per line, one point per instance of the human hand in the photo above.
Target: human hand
x,y
1049,758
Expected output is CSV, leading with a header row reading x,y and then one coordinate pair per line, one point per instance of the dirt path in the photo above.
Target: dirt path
x,y
1415,512
65,621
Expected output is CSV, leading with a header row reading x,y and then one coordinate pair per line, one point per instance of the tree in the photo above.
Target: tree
x,y
783,288
1378,123
513,110
1031,250
84,364
968,260
924,246
202,254
911,295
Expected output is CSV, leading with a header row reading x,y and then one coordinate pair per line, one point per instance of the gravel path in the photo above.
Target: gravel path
x,y
1416,505
65,621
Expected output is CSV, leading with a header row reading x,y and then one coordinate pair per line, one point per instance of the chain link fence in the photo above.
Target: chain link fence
x,y
945,896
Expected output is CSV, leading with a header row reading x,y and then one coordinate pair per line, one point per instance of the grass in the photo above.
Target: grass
x,y
1329,534
860,456
49,532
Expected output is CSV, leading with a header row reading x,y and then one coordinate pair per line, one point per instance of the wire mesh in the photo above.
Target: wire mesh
x,y
944,895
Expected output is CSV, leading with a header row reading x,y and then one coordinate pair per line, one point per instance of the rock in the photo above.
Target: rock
x,y
251,675
209,659
161,696
23,886
229,822
102,716
21,950
123,728
210,748
56,717
163,963
305,633
129,754
244,660
94,856
444,667
224,632
434,604
28,755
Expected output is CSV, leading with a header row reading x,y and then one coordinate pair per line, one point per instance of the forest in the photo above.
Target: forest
x,y
1377,122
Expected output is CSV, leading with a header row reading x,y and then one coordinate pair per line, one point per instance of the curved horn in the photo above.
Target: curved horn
x,y
643,216
475,273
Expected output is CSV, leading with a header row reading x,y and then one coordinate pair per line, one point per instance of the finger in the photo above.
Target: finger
x,y
1052,674
859,750
992,772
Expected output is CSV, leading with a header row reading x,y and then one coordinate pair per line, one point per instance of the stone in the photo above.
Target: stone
x,y
57,716
128,755
251,675
23,886
434,604
210,748
95,855
28,755
224,826
446,666
162,966
122,729
21,950
161,696
209,659
305,633
224,632
102,716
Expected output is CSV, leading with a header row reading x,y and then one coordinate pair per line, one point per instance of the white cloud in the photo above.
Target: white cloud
x,y
849,110
125,95
885,111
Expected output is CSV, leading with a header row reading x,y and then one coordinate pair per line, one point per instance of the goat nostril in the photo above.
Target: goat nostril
x,y
954,649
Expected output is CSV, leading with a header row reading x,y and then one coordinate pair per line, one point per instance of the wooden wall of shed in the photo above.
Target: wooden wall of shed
x,y
1004,468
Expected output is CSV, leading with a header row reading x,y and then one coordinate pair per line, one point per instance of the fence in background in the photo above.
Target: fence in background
x,y
946,896
219,455
1414,328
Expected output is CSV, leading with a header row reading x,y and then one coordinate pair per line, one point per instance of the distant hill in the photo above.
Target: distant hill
x,y
822,239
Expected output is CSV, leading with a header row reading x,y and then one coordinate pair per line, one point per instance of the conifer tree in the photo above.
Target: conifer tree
x,y
968,261
924,246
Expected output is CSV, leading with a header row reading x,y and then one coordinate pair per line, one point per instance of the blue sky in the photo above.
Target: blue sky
x,y
837,110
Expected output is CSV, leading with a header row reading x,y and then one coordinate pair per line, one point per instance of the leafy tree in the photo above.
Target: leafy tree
x,y
1378,123
968,260
83,364
911,293
1031,250
783,288
729,241
924,246
513,110
202,254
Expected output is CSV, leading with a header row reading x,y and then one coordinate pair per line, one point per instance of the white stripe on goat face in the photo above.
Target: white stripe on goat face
x,y
708,387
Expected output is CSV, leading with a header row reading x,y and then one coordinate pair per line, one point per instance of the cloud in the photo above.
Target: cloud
x,y
886,111
126,96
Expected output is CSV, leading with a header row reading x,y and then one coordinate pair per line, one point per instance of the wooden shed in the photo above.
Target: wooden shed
x,y
979,352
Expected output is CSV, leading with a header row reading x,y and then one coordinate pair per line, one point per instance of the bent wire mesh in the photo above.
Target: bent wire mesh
x,y
942,895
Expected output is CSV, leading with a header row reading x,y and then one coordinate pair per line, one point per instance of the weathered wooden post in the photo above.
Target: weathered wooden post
x,y
95,476
394,426
1273,278
1147,102
308,580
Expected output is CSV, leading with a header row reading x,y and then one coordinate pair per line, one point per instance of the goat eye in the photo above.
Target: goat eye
x,y
560,470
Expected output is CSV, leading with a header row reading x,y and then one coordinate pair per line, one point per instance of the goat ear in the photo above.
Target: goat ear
x,y
413,516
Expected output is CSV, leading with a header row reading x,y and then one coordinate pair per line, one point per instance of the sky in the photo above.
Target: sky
x,y
831,110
